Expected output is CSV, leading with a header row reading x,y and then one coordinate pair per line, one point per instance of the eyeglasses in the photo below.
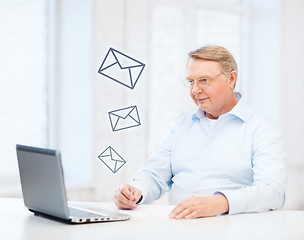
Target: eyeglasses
x,y
199,82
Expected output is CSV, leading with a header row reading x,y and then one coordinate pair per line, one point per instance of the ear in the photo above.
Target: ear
x,y
233,78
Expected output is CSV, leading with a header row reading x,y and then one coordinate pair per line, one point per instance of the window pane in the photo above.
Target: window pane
x,y
23,93
167,59
220,28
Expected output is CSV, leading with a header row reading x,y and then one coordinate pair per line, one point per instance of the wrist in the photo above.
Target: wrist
x,y
222,203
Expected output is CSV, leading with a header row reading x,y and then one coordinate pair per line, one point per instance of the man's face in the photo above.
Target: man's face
x,y
217,97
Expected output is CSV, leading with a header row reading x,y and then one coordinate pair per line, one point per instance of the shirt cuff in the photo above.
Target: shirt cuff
x,y
139,200
143,192
236,201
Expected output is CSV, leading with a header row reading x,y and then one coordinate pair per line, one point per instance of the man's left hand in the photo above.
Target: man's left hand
x,y
196,207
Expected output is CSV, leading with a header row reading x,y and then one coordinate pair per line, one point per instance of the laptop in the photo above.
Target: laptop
x,y
43,188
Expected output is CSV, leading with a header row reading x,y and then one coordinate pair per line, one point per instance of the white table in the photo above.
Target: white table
x,y
151,222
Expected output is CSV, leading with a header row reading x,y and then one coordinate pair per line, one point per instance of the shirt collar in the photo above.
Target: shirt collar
x,y
198,114
240,110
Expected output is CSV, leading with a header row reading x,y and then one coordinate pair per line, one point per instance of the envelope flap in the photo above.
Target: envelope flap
x,y
134,115
109,61
116,156
123,113
135,73
125,61
106,152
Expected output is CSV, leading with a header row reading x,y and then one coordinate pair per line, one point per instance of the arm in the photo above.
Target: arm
x,y
152,180
269,175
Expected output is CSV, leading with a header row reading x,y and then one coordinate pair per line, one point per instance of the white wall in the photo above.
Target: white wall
x,y
264,57
292,97
276,80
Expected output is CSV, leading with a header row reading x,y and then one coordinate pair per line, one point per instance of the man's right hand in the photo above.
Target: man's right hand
x,y
124,199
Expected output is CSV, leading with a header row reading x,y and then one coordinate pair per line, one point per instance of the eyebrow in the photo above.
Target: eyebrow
x,y
201,77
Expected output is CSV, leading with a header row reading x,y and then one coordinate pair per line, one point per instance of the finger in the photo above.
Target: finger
x,y
192,215
125,200
126,191
184,213
177,210
118,203
137,195
199,214
120,194
185,203
180,207
122,205
176,207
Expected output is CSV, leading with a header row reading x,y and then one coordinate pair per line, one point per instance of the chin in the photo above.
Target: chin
x,y
202,106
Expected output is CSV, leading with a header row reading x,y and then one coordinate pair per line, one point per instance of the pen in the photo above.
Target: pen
x,y
132,188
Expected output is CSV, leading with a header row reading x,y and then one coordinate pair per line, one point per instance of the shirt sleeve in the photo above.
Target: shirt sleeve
x,y
154,178
269,174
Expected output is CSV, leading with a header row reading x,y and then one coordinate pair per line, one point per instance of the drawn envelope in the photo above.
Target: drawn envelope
x,y
112,159
124,118
121,68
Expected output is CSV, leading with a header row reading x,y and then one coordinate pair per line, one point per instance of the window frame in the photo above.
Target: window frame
x,y
10,184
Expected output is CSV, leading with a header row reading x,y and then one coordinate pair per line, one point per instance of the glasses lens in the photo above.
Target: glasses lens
x,y
187,83
202,82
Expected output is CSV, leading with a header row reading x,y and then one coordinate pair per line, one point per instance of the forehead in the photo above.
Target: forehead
x,y
200,67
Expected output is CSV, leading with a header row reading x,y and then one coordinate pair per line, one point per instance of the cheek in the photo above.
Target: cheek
x,y
193,98
216,94
220,95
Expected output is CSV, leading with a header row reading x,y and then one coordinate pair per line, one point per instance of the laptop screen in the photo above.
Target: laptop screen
x,y
42,180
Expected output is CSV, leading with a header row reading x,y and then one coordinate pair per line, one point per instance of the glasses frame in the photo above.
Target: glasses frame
x,y
199,84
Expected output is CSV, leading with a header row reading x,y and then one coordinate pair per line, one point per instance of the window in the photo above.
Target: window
x,y
221,28
23,91
167,59
177,28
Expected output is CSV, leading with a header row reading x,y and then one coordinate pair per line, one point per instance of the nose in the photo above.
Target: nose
x,y
196,89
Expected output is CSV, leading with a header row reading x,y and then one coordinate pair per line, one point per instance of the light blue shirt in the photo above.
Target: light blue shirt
x,y
240,155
